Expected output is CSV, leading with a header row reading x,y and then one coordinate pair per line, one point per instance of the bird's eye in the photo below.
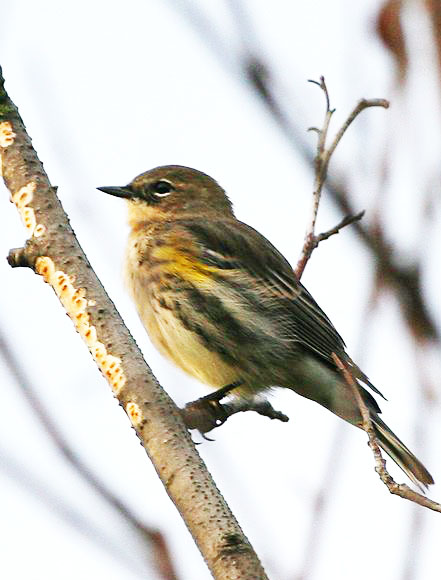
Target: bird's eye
x,y
162,188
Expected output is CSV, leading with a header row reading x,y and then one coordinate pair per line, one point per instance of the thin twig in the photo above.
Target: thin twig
x,y
321,163
349,219
322,133
400,489
359,108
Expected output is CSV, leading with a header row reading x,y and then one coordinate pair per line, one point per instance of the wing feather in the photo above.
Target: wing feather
x,y
238,251
242,249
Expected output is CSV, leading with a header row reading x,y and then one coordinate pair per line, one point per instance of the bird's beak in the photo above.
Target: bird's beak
x,y
123,191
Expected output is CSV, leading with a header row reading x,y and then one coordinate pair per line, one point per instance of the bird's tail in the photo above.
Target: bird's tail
x,y
404,458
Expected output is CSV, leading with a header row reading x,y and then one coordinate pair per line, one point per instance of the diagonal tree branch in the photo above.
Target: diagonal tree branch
x,y
53,251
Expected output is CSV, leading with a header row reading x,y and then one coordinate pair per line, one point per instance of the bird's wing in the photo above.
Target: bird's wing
x,y
232,246
243,256
246,258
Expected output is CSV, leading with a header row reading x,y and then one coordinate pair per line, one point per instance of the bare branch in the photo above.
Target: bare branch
x,y
346,221
400,489
359,108
321,163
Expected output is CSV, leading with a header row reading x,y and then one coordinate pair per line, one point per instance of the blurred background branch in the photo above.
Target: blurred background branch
x,y
156,542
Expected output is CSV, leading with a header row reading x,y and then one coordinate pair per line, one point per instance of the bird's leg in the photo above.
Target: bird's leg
x,y
208,412
217,396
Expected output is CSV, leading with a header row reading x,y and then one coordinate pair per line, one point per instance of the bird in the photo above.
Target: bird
x,y
222,303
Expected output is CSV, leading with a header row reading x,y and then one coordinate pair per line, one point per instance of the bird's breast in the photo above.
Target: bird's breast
x,y
160,297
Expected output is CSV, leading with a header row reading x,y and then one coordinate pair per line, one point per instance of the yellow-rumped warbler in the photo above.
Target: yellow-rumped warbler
x,y
222,303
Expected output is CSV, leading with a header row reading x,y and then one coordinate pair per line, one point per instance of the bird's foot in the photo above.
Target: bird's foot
x,y
208,412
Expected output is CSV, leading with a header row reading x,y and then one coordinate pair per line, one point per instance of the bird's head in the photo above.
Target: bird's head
x,y
171,191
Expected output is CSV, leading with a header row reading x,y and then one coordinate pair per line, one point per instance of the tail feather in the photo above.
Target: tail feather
x,y
402,456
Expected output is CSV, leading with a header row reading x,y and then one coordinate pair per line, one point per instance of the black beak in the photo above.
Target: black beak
x,y
123,191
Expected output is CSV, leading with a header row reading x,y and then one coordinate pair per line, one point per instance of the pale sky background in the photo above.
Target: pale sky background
x,y
108,90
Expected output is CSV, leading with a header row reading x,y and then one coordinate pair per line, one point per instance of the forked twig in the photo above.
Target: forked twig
x,y
321,161
400,489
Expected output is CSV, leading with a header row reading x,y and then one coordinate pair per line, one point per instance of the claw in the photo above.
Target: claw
x,y
207,438
208,412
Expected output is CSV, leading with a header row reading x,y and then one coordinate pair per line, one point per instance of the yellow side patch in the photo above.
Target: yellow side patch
x,y
185,266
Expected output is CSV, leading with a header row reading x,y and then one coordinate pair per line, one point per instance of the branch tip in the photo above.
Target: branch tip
x,y
365,103
324,88
17,258
346,221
